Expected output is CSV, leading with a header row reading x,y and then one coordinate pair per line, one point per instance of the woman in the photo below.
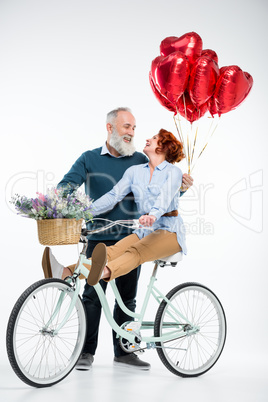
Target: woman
x,y
155,186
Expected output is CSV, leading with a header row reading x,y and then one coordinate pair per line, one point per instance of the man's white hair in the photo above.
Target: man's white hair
x,y
111,116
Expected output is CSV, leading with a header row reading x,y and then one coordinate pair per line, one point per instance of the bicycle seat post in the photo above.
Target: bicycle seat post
x,y
156,265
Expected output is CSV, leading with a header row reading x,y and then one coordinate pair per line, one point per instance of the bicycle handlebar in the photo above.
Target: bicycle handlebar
x,y
131,224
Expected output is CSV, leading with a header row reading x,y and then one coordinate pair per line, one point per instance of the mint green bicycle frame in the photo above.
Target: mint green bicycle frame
x,y
47,326
177,325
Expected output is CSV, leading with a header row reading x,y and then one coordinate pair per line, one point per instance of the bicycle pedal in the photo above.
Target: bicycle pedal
x,y
139,351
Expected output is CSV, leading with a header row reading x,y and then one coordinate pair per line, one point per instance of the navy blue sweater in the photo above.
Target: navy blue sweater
x,y
100,173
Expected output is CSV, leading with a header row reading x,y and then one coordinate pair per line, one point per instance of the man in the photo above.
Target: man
x,y
100,169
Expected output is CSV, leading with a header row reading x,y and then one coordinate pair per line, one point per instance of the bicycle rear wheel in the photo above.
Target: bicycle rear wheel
x,y
39,357
191,355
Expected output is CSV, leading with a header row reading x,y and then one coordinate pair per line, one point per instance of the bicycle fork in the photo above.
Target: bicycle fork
x,y
72,289
75,289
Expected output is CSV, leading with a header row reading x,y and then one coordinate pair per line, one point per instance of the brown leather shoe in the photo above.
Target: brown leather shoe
x,y
46,263
98,262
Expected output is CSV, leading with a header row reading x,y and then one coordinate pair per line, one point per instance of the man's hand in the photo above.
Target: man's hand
x,y
147,220
187,182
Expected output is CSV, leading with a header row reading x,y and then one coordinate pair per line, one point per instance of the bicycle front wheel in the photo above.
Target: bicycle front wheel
x,y
191,354
39,356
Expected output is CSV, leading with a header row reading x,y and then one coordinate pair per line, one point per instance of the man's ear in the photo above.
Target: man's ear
x,y
109,128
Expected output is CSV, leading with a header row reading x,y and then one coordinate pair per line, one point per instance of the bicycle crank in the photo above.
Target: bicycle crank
x,y
126,345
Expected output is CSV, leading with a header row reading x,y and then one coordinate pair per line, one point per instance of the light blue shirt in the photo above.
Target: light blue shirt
x,y
155,197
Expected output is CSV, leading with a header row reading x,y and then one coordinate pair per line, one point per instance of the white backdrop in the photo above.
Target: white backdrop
x,y
64,64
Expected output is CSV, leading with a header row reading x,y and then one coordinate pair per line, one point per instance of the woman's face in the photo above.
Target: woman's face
x,y
151,145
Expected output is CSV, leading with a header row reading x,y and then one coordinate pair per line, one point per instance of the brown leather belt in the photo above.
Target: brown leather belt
x,y
171,213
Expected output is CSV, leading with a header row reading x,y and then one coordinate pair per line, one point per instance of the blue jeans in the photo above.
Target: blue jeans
x,y
127,286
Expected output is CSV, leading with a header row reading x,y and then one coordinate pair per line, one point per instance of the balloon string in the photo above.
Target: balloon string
x,y
180,133
191,140
194,145
193,149
189,165
188,139
207,142
210,128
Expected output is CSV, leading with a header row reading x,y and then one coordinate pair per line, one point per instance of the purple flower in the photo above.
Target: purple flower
x,y
49,213
54,212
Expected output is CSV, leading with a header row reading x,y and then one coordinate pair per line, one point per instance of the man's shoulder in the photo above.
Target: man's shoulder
x,y
94,151
140,157
136,159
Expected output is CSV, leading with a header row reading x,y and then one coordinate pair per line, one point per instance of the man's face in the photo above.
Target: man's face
x,y
122,133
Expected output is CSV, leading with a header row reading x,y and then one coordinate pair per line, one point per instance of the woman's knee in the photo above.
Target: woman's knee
x,y
160,244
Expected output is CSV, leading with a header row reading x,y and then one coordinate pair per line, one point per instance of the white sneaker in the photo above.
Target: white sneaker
x,y
51,267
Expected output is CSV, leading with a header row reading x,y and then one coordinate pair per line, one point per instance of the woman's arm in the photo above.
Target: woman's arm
x,y
187,182
147,220
115,195
168,191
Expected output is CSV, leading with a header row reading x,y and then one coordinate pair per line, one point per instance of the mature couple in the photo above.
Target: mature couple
x,y
126,184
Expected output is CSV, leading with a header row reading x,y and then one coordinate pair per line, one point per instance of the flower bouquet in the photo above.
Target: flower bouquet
x,y
59,214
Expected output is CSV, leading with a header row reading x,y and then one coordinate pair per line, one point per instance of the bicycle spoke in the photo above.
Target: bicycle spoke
x,y
38,354
199,349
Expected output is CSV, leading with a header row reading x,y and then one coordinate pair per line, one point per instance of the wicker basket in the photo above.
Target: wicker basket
x,y
52,232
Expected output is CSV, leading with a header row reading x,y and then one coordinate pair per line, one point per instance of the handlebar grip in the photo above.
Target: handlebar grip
x,y
84,232
136,224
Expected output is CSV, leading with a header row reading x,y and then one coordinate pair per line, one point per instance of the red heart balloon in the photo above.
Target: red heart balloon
x,y
212,107
187,109
232,88
203,79
155,63
190,44
164,101
211,54
170,75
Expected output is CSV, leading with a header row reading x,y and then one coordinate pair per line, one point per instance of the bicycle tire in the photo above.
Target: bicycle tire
x,y
192,355
38,357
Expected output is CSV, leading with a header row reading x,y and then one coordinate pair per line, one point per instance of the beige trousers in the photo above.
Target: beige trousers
x,y
130,252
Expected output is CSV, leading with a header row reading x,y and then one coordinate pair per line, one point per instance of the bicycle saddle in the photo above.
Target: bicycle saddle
x,y
171,259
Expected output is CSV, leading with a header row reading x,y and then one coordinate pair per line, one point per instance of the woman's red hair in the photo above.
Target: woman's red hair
x,y
169,144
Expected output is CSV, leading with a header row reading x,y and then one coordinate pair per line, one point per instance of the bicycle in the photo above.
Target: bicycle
x,y
47,326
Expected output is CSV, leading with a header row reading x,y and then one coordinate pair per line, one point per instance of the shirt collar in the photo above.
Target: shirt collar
x,y
105,150
159,167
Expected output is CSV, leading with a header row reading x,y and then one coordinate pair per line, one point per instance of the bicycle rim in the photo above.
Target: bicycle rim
x,y
192,355
37,356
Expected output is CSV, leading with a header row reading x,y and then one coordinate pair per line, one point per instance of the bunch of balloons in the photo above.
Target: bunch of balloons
x,y
188,81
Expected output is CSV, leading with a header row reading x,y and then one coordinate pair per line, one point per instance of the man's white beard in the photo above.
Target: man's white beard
x,y
123,148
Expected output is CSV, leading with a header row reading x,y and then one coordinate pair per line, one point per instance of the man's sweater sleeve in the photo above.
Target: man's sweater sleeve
x,y
76,175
